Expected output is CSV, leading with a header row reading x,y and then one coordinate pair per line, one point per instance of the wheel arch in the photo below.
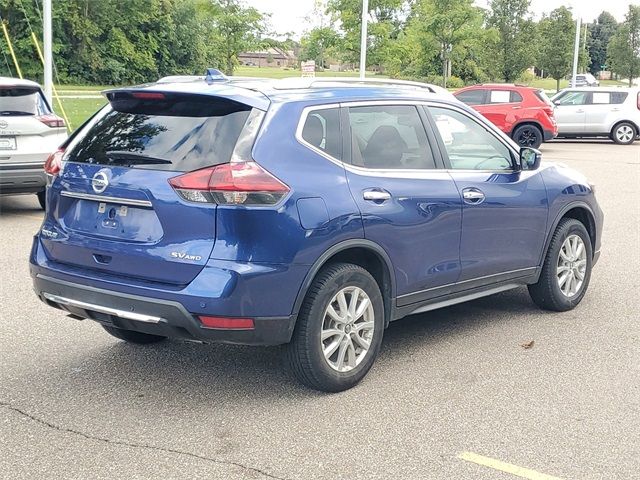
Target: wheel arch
x,y
365,253
634,124
522,123
580,211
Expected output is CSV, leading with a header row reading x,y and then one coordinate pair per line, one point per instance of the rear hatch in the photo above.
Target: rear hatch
x,y
29,131
112,207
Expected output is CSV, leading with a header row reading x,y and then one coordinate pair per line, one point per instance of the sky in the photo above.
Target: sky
x,y
293,15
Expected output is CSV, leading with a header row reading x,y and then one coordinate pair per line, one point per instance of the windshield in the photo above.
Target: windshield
x,y
180,134
22,101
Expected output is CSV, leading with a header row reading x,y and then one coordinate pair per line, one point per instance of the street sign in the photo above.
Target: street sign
x,y
308,69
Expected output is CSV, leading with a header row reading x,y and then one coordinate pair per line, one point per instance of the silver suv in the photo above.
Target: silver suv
x,y
599,112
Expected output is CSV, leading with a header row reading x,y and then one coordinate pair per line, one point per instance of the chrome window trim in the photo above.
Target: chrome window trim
x,y
100,198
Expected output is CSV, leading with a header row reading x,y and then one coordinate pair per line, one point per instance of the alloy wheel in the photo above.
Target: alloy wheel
x,y
624,133
347,329
572,265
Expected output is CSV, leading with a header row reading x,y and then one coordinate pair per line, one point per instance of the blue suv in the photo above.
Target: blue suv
x,y
304,212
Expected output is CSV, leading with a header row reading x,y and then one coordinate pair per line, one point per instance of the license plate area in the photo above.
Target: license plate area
x,y
8,143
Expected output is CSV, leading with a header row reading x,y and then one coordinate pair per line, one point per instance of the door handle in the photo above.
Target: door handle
x,y
615,109
472,196
376,195
580,111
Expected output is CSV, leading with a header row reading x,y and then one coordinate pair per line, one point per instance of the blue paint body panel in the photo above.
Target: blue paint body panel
x,y
244,261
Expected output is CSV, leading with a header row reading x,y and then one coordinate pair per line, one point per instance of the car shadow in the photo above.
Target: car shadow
x,y
247,375
19,205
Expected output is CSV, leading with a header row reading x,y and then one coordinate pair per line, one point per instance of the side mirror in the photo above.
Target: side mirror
x,y
530,158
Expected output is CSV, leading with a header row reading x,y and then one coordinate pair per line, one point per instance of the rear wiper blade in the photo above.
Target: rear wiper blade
x,y
133,158
14,112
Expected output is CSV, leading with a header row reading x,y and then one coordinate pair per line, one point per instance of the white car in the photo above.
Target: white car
x,y
584,80
29,133
599,112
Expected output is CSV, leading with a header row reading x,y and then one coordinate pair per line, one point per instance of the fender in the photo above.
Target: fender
x,y
337,248
564,210
533,122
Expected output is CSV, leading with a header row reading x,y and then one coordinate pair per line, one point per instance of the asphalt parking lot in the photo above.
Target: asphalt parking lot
x,y
450,386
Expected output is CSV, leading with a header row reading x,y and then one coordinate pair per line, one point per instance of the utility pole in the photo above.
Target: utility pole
x,y
576,51
363,38
48,56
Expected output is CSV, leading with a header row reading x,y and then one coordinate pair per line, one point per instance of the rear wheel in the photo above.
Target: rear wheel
x,y
132,336
528,136
42,199
567,268
339,329
624,133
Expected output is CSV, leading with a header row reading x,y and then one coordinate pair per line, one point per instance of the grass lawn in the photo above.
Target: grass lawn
x,y
79,109
550,83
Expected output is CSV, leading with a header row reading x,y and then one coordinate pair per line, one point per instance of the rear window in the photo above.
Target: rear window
x,y
177,133
544,98
22,101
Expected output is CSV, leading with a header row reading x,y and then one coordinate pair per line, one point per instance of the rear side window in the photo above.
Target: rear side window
x,y
22,101
600,98
177,133
618,97
389,137
472,97
321,130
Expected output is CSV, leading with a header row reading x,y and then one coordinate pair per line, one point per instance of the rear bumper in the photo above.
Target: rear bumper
x,y
549,135
27,178
151,315
175,313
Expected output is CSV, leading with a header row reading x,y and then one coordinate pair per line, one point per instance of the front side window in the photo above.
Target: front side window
x,y
468,144
389,137
322,130
573,98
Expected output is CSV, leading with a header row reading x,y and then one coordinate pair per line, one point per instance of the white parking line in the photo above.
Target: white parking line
x,y
505,467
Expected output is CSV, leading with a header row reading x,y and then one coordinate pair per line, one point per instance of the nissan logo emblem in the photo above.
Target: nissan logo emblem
x,y
100,182
3,124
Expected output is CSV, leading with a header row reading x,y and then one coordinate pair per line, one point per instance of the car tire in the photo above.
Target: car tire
x,y
528,136
324,352
624,133
132,336
42,199
569,259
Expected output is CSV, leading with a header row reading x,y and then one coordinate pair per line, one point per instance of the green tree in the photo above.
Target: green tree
x,y
516,46
600,32
383,26
235,28
451,23
317,43
624,47
556,34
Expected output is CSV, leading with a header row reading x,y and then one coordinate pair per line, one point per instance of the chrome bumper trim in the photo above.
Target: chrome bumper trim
x,y
99,198
138,317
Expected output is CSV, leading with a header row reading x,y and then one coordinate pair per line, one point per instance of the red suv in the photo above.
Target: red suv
x,y
523,113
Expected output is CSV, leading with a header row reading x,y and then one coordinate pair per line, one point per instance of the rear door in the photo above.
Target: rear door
x,y
570,111
504,213
112,207
409,207
29,131
501,108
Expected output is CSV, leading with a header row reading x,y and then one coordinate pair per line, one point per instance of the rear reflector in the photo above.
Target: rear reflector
x,y
54,162
227,323
51,120
236,183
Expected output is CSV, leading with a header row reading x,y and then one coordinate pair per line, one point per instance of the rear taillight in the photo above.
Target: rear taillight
x,y
51,120
227,323
54,163
236,183
638,101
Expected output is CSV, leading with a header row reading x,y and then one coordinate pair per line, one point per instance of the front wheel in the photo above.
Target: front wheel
x,y
567,268
624,133
528,136
339,329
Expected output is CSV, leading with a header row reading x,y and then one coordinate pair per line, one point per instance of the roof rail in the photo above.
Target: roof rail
x,y
297,82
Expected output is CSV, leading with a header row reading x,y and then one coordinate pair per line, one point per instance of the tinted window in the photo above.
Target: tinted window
x,y
322,130
618,97
573,98
390,137
468,144
515,97
543,97
22,101
183,134
472,97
